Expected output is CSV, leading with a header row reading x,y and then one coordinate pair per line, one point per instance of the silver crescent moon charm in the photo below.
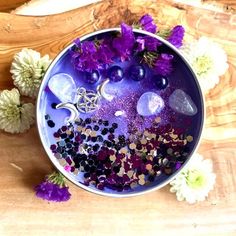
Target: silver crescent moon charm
x,y
74,113
86,101
101,90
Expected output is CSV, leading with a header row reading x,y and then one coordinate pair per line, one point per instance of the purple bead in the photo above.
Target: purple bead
x,y
53,147
160,81
137,72
115,73
92,77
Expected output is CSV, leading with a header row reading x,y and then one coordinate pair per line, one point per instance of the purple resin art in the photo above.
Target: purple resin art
x,y
120,111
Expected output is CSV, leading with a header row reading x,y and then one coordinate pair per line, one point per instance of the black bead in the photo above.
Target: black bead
x,y
51,124
104,131
86,175
90,162
114,125
47,117
107,172
100,121
92,169
67,140
105,122
83,136
99,172
63,135
99,138
69,145
139,146
111,130
94,139
121,137
109,144
88,120
116,169
95,147
87,168
96,127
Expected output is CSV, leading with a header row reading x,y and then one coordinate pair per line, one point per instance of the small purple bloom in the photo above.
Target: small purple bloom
x,y
77,42
124,44
105,52
147,24
84,58
148,43
163,64
52,192
176,36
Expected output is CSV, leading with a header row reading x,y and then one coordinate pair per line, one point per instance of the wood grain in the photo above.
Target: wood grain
x,y
9,5
228,4
23,162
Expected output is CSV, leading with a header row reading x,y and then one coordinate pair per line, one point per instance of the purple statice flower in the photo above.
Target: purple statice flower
x,y
84,56
148,43
53,189
87,59
105,52
77,42
148,24
176,36
124,44
163,64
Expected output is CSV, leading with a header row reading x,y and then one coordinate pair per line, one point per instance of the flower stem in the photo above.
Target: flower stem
x,y
56,178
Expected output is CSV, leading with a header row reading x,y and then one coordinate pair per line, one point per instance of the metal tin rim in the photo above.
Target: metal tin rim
x,y
56,163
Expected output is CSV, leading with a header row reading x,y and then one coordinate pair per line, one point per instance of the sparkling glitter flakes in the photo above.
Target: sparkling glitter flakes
x,y
113,160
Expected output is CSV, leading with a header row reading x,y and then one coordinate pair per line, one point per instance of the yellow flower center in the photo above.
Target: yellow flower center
x,y
202,64
196,179
12,111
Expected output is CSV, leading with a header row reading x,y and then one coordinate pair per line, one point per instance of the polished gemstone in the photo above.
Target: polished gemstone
x,y
149,104
182,103
63,87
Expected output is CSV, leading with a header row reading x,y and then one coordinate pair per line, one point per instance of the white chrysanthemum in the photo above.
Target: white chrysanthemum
x,y
195,180
208,60
28,69
14,116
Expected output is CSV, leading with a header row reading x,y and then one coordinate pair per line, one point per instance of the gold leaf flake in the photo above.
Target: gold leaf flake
x,y
158,119
141,181
189,138
132,146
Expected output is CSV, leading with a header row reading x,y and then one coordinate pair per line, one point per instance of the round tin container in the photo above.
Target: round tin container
x,y
183,78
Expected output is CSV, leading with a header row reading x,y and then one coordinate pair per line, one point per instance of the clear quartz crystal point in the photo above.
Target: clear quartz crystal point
x,y
63,87
182,103
149,104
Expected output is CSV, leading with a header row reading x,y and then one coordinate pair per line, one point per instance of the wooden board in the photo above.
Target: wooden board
x,y
23,162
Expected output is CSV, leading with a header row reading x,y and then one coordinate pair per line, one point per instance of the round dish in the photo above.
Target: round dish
x,y
138,109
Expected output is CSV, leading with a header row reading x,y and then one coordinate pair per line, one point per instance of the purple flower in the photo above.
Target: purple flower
x,y
176,36
148,43
77,42
84,57
52,192
147,24
163,64
105,52
53,189
124,44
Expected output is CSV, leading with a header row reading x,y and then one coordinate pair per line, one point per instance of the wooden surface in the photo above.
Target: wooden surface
x,y
23,162
9,5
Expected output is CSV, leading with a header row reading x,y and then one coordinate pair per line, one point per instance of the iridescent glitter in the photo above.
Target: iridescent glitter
x,y
113,161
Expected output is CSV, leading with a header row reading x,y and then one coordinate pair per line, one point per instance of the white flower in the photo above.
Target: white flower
x,y
208,60
14,116
195,180
28,69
